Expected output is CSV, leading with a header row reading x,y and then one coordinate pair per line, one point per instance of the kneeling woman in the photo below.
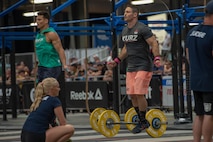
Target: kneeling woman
x,y
44,110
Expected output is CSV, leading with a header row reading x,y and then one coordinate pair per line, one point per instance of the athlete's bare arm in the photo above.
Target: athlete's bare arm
x,y
154,44
55,40
187,54
123,53
121,57
60,115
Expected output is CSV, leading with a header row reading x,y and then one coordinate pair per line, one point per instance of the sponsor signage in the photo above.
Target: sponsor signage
x,y
97,94
75,94
168,92
9,100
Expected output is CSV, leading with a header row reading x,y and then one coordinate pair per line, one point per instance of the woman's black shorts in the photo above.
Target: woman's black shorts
x,y
32,137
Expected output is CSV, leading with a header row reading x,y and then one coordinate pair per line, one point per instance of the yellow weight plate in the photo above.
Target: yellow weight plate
x,y
130,116
94,116
158,123
109,123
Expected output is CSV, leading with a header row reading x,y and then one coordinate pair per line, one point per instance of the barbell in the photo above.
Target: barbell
x,y
107,122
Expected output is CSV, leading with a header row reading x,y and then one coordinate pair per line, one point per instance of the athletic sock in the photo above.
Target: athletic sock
x,y
137,111
142,115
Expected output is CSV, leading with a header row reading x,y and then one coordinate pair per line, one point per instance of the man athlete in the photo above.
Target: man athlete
x,y
138,38
49,50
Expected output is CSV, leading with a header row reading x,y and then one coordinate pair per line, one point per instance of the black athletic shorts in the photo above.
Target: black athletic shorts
x,y
32,137
44,72
203,103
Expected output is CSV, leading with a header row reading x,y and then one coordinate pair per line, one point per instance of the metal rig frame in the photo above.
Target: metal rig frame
x,y
113,27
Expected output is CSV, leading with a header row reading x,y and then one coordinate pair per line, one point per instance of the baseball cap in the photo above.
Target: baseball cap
x,y
209,7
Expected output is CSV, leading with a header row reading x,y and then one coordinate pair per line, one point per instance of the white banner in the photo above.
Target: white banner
x,y
168,92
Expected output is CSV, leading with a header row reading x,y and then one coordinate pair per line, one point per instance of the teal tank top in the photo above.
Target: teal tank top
x,y
45,51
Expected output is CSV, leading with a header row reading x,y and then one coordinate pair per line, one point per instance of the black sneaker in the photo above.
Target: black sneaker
x,y
140,126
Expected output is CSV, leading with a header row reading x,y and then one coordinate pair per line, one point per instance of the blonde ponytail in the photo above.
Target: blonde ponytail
x,y
42,90
39,93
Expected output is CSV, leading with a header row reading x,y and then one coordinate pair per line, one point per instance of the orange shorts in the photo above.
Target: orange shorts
x,y
137,83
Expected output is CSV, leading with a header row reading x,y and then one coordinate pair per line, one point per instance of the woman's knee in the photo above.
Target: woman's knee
x,y
70,129
58,132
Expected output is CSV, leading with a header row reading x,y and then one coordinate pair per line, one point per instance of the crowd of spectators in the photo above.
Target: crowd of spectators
x,y
23,73
94,70
99,69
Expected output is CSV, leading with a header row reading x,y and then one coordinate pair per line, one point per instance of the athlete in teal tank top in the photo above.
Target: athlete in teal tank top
x,y
45,51
49,50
